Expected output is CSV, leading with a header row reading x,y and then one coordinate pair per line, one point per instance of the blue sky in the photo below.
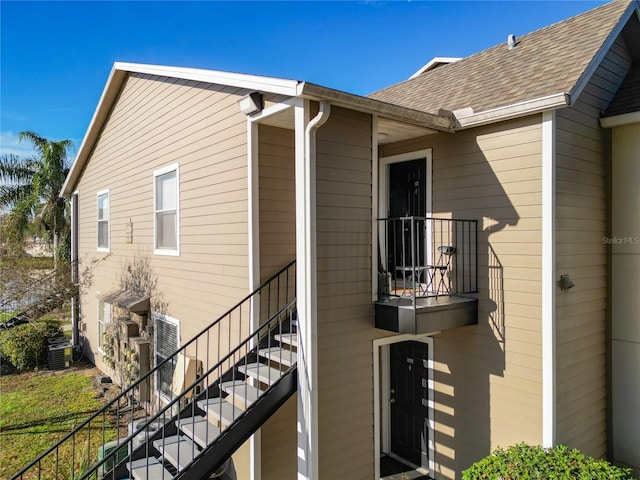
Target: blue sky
x,y
55,57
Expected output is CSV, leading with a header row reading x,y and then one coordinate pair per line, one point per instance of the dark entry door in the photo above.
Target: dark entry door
x,y
407,198
407,188
409,401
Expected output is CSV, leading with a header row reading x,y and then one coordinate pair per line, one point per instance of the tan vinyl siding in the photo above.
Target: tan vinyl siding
x,y
277,248
154,123
581,223
278,437
625,302
345,310
277,199
486,374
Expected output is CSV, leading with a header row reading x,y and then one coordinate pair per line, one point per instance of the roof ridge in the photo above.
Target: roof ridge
x,y
460,63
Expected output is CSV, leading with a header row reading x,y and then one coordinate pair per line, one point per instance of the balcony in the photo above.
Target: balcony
x,y
427,274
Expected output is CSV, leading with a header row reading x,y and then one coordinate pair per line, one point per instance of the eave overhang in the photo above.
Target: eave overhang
x,y
620,120
369,105
291,88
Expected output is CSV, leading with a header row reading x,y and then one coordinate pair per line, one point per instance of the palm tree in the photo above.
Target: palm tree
x,y
30,187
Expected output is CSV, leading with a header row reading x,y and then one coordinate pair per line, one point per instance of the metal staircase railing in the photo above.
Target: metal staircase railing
x,y
229,409
79,454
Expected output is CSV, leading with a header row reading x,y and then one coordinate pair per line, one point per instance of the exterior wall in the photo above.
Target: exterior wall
x,y
625,299
345,310
154,123
277,248
488,378
279,458
581,223
277,199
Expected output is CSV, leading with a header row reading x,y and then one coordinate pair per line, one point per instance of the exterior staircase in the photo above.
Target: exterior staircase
x,y
198,441
242,380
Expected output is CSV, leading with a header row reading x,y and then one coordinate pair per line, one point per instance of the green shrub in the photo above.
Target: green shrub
x,y
524,462
24,345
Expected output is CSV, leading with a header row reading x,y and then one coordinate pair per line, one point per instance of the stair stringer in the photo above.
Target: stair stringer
x,y
244,426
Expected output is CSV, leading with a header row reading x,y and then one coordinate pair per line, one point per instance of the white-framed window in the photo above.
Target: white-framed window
x,y
104,212
104,317
166,342
166,215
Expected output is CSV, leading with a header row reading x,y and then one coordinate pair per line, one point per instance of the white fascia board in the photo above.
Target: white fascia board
x,y
240,80
619,120
515,110
584,79
432,62
109,94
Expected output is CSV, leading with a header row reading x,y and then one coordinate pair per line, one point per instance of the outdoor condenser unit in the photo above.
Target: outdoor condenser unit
x,y
60,355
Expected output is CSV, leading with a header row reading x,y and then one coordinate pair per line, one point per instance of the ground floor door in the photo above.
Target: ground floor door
x,y
409,397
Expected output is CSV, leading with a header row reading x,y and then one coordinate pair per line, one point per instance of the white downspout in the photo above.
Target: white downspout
x,y
307,327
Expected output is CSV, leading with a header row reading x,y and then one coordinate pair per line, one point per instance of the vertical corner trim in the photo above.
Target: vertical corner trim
x,y
548,280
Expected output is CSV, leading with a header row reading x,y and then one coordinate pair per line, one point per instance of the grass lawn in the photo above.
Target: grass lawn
x,y
4,316
37,409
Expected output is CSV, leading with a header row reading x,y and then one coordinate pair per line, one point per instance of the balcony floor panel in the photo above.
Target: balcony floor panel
x,y
431,314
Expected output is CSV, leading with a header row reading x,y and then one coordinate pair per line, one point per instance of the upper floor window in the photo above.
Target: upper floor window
x,y
166,214
103,220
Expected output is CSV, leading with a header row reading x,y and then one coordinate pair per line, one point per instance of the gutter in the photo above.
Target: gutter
x,y
466,118
369,105
309,340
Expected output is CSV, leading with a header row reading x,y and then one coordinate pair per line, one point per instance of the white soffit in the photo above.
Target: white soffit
x,y
619,120
390,131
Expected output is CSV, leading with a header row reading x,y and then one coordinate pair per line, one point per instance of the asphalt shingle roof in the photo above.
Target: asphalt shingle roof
x,y
545,62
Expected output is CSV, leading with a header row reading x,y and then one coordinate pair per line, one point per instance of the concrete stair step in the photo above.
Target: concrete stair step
x,y
288,338
261,372
199,430
178,450
220,411
148,469
240,393
280,355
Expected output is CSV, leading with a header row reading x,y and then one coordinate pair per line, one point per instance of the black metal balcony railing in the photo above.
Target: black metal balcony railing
x,y
427,257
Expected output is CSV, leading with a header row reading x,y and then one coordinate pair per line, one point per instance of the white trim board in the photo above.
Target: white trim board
x,y
374,207
548,280
253,180
382,210
383,174
157,173
99,194
241,80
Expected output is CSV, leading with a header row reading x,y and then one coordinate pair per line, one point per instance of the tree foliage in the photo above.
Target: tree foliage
x,y
30,189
